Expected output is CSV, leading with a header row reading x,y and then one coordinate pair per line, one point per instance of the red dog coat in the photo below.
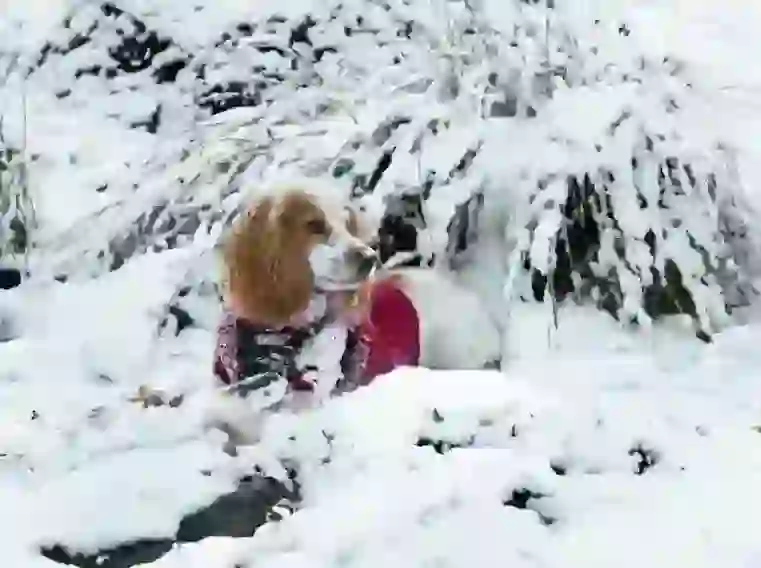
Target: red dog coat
x,y
392,331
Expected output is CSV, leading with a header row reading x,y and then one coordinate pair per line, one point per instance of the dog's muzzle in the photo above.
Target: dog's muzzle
x,y
342,268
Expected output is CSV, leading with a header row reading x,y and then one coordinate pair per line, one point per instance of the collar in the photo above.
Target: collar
x,y
309,324
319,314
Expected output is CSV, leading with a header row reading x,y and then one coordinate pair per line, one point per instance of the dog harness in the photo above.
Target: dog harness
x,y
251,358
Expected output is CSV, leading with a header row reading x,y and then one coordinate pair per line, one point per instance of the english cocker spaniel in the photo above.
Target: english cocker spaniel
x,y
299,260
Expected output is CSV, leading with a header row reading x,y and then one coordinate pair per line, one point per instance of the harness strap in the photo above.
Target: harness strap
x,y
255,358
299,336
250,357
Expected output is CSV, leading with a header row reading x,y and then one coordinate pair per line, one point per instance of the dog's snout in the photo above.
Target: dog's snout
x,y
364,259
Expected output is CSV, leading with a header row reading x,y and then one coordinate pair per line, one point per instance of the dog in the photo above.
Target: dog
x,y
302,259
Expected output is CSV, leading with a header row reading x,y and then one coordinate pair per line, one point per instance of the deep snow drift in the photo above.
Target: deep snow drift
x,y
598,446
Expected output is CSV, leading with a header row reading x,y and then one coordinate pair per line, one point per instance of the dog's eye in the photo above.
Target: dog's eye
x,y
317,227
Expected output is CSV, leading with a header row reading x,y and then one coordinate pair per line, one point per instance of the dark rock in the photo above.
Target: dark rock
x,y
9,278
123,556
237,514
256,501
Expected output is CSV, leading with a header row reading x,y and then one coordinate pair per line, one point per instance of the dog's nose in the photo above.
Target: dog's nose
x,y
364,259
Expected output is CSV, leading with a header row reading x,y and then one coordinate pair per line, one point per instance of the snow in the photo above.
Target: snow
x,y
581,396
569,420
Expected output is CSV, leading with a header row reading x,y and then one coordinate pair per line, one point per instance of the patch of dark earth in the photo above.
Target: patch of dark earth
x,y
257,500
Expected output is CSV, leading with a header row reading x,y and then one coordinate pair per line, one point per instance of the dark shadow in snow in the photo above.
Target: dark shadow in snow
x,y
439,446
256,501
646,458
526,500
9,278
123,556
559,468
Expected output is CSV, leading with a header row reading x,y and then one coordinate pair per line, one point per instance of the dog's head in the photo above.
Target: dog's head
x,y
288,245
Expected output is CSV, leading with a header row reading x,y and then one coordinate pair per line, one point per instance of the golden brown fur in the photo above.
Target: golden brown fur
x,y
269,278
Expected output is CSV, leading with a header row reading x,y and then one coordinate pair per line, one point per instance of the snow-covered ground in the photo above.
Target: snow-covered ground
x,y
577,416
596,447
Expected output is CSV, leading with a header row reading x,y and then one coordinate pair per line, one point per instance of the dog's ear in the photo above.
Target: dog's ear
x,y
268,279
